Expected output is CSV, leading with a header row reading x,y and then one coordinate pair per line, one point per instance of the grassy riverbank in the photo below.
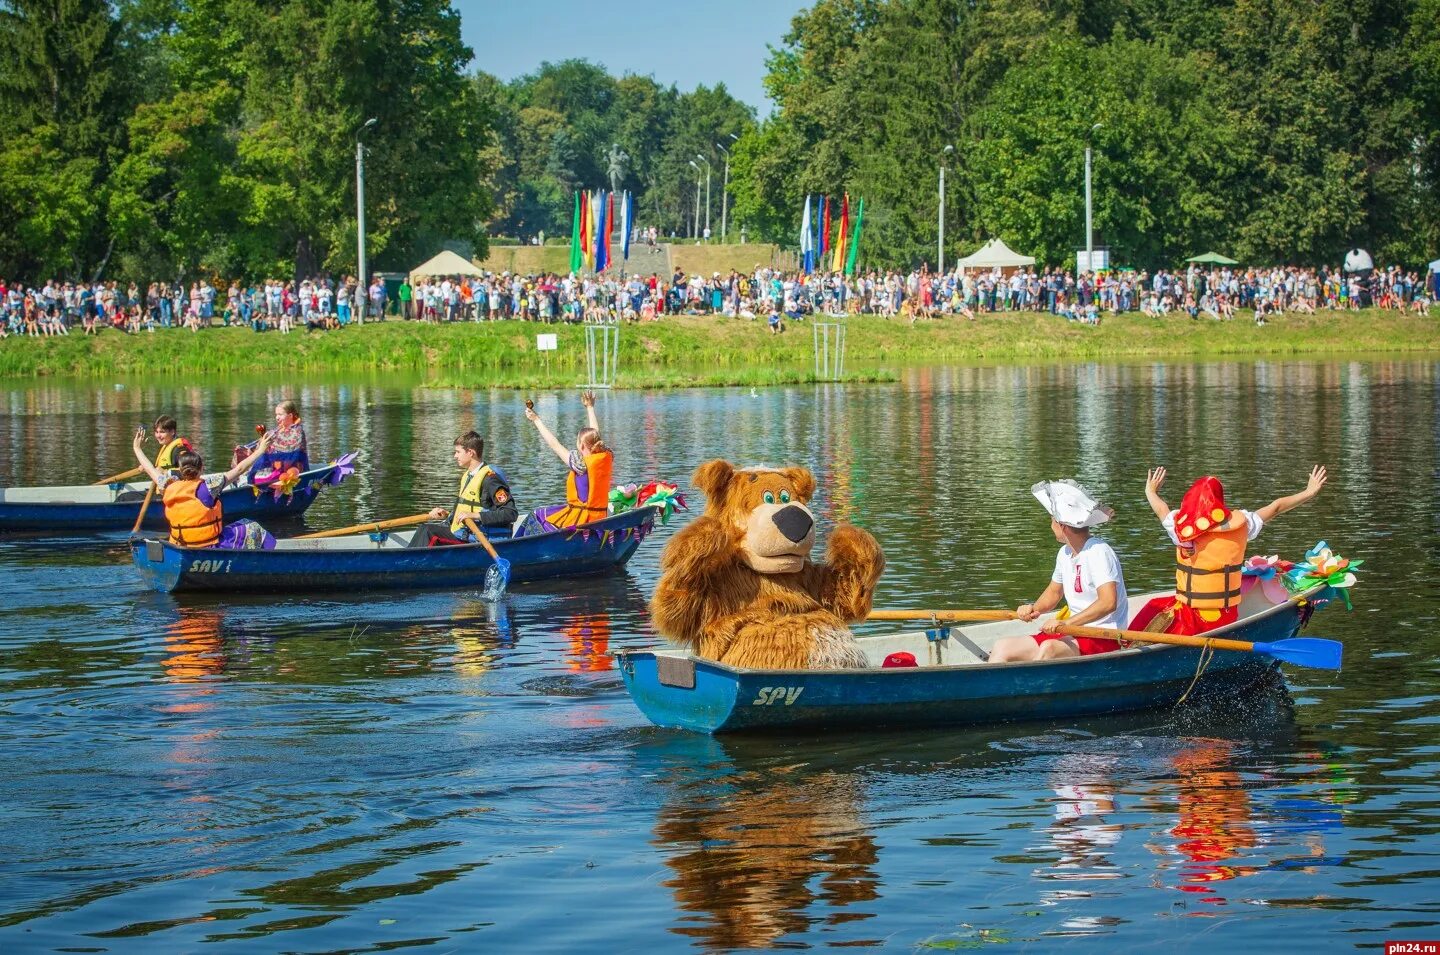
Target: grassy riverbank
x,y
696,350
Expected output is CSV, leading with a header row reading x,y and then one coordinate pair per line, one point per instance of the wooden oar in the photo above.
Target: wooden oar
x,y
373,527
497,578
122,476
942,615
1301,651
144,506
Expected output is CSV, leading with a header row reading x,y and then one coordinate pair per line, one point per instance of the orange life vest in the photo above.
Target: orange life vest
x,y
192,524
596,505
1207,576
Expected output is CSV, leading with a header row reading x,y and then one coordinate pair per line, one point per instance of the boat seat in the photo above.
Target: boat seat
x,y
125,497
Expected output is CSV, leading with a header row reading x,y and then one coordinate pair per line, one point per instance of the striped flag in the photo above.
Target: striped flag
x,y
855,239
627,219
602,234
807,241
824,228
575,258
838,262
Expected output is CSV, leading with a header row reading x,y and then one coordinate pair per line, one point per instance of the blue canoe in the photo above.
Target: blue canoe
x,y
674,688
390,560
87,508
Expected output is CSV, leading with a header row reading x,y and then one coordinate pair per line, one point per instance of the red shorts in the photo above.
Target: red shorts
x,y
1086,645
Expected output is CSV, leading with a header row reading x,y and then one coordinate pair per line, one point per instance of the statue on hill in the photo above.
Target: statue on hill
x,y
616,160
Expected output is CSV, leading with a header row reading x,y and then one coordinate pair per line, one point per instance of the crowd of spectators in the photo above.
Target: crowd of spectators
x,y
772,295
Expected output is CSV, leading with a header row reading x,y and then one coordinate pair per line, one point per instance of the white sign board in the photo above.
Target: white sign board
x,y
1099,262
545,343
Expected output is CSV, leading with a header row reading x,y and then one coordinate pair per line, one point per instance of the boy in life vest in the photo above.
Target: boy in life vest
x,y
1087,575
484,496
192,503
1210,541
171,444
589,467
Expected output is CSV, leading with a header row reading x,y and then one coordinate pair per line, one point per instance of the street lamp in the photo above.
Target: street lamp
x,y
1089,225
695,222
725,190
707,194
361,285
944,154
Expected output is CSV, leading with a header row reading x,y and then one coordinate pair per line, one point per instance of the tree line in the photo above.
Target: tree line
x,y
152,138
1276,131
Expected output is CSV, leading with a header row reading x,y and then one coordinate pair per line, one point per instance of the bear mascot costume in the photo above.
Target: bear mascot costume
x,y
737,584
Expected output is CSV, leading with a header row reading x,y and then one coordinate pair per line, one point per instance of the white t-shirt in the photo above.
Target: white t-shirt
x,y
1254,524
1081,576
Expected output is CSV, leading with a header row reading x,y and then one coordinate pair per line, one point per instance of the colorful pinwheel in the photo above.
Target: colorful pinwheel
x,y
1322,566
344,467
1268,573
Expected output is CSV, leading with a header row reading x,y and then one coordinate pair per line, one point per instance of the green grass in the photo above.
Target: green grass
x,y
693,350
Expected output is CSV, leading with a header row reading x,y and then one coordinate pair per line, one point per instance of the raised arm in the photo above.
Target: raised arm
x,y
261,446
562,452
1282,504
587,398
144,461
1153,479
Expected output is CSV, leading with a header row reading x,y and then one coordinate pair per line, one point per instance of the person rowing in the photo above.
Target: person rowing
x,y
171,444
1087,575
589,466
484,496
192,503
1209,539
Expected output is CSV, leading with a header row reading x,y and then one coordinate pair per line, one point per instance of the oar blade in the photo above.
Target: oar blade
x,y
1305,652
497,578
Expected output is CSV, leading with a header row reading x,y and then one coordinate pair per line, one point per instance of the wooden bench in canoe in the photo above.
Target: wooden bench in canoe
x,y
88,508
394,560
952,685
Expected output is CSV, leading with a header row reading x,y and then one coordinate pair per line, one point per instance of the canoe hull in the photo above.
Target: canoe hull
x,y
724,699
83,517
607,546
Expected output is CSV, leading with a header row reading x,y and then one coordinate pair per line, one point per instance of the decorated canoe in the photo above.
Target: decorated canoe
x,y
88,508
953,683
391,559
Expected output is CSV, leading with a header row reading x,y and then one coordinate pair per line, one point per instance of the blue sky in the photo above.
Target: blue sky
x,y
686,43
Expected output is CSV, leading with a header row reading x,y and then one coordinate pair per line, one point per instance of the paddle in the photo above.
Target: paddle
x,y
122,476
497,578
144,506
1301,651
374,527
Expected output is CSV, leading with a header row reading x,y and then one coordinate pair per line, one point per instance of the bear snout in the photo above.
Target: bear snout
x,y
794,523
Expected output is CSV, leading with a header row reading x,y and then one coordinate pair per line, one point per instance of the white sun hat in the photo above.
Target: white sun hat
x,y
1071,504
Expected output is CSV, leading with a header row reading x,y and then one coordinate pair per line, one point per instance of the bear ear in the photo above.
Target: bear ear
x,y
803,481
713,477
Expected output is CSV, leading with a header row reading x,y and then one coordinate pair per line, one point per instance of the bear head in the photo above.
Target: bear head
x,y
766,507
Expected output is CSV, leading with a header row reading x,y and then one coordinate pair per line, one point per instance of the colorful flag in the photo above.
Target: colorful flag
x,y
627,219
592,221
807,241
584,228
855,239
824,228
575,259
609,227
838,262
602,234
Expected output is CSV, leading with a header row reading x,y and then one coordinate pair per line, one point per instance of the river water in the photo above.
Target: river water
x,y
372,771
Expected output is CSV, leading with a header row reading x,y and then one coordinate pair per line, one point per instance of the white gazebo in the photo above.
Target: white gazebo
x,y
995,254
446,263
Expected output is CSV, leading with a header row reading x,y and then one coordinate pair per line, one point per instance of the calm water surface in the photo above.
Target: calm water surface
x,y
372,771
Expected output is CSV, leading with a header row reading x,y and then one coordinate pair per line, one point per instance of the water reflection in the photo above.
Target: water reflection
x,y
1214,828
757,854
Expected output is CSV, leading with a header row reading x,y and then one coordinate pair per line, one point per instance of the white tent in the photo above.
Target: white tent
x,y
446,263
995,254
1435,266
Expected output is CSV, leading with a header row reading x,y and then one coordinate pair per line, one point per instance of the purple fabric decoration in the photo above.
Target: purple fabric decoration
x,y
343,468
